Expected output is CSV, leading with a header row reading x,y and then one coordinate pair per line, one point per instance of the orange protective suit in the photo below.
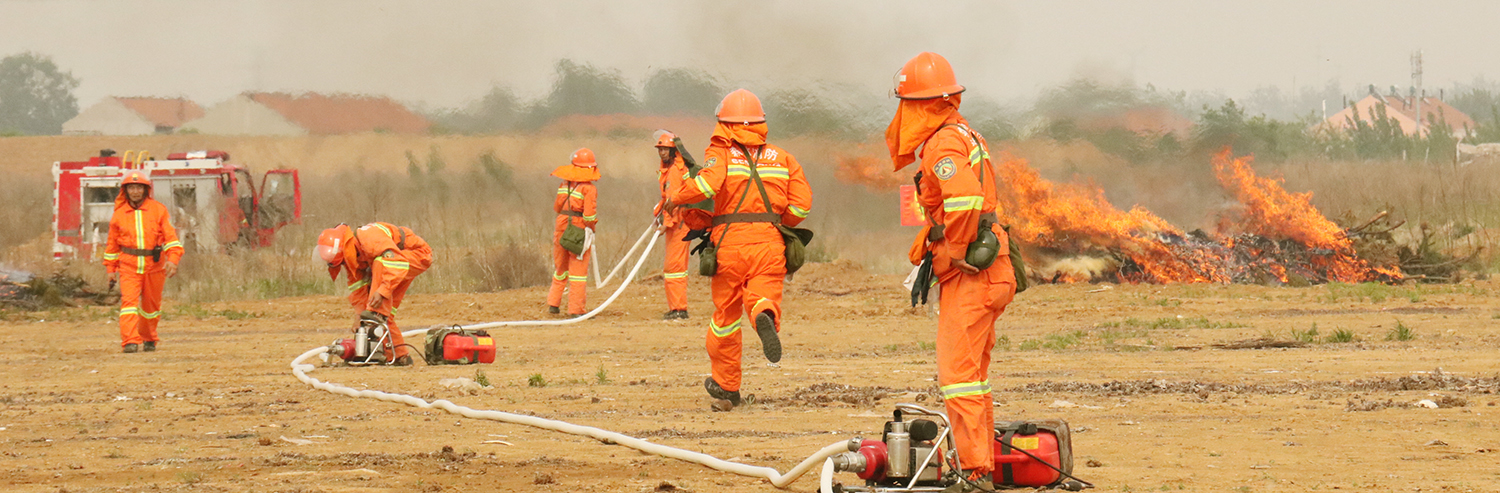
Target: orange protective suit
x,y
383,258
674,267
954,197
576,202
751,258
133,233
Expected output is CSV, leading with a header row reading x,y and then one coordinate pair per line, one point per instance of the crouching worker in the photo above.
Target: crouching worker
x,y
141,252
577,208
380,260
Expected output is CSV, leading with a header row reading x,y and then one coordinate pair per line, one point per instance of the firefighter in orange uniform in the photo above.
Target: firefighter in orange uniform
x,y
751,255
674,268
141,252
577,203
381,260
956,187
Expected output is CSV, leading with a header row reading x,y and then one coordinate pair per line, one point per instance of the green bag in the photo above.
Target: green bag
x,y
708,261
572,237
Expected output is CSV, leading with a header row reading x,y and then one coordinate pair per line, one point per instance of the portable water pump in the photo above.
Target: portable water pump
x,y
369,344
917,455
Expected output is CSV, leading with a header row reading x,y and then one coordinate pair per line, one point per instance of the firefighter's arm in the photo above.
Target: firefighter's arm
x,y
171,247
798,194
590,204
562,198
963,198
112,249
388,267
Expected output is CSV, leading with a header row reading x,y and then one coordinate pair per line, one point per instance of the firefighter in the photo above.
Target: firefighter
x,y
141,253
577,206
956,187
381,260
750,251
670,224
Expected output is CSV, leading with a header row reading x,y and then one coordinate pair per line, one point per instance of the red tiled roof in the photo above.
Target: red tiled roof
x,y
1404,112
342,114
162,111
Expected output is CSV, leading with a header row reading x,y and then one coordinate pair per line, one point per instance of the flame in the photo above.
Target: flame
x,y
869,170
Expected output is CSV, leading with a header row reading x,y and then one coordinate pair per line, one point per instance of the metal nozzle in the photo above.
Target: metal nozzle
x,y
849,462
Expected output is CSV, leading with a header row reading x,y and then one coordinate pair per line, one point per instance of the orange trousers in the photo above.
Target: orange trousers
x,y
749,282
140,306
389,307
967,309
674,268
571,272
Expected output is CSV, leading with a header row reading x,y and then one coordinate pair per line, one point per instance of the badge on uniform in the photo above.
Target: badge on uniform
x,y
944,169
712,161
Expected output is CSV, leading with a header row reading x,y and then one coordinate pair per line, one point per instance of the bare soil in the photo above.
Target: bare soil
x,y
1155,405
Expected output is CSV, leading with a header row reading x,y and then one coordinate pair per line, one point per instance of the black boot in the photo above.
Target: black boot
x,y
553,310
402,361
717,392
150,346
132,348
770,342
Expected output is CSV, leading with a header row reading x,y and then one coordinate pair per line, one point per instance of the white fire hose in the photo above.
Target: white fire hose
x,y
777,479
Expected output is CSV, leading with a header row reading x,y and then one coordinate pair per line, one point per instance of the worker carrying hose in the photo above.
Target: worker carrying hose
x,y
669,223
956,188
141,253
381,261
577,208
755,186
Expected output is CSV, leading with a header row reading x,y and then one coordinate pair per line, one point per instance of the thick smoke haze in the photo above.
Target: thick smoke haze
x,y
446,53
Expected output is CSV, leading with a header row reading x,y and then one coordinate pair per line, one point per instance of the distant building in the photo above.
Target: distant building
x,y
307,114
1404,112
133,116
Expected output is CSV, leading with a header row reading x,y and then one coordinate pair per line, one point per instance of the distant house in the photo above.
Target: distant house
x,y
133,116
267,113
1404,112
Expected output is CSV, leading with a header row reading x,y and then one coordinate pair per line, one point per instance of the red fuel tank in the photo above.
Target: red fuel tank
x,y
1013,468
469,349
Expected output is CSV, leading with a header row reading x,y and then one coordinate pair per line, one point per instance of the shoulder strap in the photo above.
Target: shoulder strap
x,y
755,175
742,195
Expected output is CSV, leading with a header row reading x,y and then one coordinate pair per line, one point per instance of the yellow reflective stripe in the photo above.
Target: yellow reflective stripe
x,y
739,170
359,284
964,203
560,276
965,389
171,244
674,275
111,256
578,278
798,211
394,264
140,242
708,192
591,218
130,311
150,314
577,194
978,154
774,172
724,331
382,228
562,190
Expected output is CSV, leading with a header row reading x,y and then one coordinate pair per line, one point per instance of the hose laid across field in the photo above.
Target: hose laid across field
x,y
777,479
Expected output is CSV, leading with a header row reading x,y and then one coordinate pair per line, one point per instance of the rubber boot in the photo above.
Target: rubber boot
x,y
132,348
770,342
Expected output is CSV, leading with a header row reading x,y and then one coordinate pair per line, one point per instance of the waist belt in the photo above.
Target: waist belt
x,y
154,253
936,234
748,217
570,213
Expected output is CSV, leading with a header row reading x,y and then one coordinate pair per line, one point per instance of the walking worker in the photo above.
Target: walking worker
x,y
956,188
750,253
577,208
670,224
141,253
380,261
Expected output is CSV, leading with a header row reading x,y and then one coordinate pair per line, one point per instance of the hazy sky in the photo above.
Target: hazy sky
x,y
444,53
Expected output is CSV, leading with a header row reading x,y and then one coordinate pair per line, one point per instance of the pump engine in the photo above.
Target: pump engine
x,y
369,344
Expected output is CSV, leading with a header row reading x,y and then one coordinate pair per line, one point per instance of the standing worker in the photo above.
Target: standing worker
x,y
956,188
669,223
750,256
577,208
141,253
381,260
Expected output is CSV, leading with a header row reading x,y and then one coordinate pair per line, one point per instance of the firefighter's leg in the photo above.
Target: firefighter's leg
x,y
560,258
578,282
723,339
763,283
674,268
151,288
389,309
131,285
966,332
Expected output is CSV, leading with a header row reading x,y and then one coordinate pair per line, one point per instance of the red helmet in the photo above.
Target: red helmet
x,y
664,139
331,246
740,106
136,177
584,157
926,76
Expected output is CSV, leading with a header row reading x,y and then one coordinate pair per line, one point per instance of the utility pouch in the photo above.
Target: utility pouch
x,y
572,239
1017,263
708,259
985,248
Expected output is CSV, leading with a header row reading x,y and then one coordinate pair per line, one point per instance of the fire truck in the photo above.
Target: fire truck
x,y
213,203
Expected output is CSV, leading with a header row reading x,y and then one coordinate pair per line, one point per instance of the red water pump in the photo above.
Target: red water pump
x,y
368,346
911,455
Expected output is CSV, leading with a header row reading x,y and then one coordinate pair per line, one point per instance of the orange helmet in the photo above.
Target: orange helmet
x,y
740,106
331,246
136,177
926,76
664,139
583,157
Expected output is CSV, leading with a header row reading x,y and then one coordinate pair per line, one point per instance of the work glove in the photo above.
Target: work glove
x,y
588,242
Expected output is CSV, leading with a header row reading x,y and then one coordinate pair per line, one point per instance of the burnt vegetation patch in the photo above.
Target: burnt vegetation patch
x,y
1434,381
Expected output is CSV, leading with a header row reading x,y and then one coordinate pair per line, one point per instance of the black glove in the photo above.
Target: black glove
x,y
923,284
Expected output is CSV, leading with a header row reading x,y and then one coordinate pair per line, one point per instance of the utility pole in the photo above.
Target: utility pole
x,y
1416,83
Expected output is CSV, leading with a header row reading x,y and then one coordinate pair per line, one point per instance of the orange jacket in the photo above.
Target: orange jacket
x,y
670,177
951,192
143,228
382,254
580,197
726,177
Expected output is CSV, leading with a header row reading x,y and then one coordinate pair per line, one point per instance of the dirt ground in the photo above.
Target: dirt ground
x,y
1154,404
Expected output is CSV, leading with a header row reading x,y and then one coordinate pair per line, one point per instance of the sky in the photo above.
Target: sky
x,y
446,53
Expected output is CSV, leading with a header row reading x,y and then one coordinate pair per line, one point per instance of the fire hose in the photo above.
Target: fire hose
x,y
300,370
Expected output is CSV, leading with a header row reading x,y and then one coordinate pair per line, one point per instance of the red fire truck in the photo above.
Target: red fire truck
x,y
212,202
